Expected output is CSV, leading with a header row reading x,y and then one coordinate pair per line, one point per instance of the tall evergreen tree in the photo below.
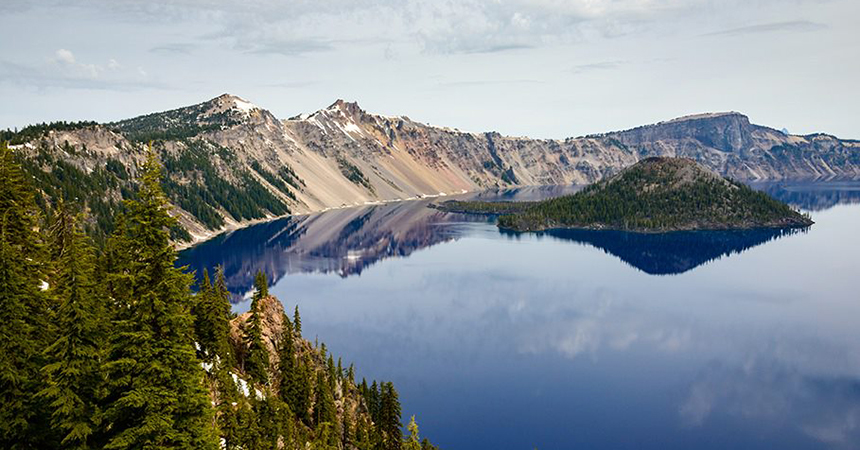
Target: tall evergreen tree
x,y
332,372
389,416
261,285
73,360
297,322
363,439
325,413
156,396
257,361
348,428
293,372
249,434
114,268
373,404
276,420
212,317
221,314
227,405
200,300
413,441
301,390
286,363
23,311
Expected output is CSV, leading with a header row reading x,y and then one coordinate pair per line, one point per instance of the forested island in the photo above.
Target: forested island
x,y
657,194
107,346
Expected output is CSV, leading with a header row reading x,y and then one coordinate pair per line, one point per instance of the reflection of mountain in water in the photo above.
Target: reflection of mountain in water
x,y
813,196
671,253
347,241
341,241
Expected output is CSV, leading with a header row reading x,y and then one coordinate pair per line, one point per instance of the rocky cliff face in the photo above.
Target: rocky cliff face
x,y
729,144
350,407
230,162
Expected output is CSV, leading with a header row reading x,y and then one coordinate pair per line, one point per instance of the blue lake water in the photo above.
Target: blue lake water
x,y
573,339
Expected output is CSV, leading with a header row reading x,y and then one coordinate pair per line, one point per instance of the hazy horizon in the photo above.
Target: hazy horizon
x,y
538,68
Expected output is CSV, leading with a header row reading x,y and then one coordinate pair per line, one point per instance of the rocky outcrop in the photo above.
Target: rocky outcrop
x,y
343,156
347,396
271,323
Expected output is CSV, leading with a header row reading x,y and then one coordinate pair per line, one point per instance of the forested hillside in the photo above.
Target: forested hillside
x,y
109,348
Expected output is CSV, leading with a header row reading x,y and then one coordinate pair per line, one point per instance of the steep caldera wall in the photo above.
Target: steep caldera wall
x,y
229,163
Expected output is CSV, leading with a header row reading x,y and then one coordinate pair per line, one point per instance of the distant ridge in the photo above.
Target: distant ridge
x,y
230,162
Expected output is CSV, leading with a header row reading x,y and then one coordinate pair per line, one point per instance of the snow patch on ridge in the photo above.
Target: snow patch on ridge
x,y
352,127
244,106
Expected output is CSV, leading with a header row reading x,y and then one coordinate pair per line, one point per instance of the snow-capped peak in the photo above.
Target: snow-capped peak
x,y
231,102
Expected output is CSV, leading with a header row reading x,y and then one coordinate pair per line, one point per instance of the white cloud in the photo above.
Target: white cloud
x,y
65,70
455,26
592,60
65,56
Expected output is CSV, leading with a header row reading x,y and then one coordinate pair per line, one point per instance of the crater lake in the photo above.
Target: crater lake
x,y
580,339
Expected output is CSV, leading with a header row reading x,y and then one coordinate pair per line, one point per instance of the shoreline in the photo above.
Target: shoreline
x,y
231,227
649,231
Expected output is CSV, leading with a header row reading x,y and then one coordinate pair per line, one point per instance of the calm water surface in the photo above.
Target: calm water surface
x,y
745,340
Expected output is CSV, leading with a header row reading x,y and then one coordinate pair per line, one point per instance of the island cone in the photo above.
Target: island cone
x,y
654,195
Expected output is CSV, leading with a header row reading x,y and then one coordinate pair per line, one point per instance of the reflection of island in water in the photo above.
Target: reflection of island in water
x,y
670,253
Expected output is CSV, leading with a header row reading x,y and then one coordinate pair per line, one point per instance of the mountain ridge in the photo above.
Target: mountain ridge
x,y
230,162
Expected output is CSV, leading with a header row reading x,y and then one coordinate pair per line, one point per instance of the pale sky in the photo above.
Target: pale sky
x,y
539,68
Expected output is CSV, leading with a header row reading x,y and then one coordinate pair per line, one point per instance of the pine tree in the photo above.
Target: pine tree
x,y
227,408
300,391
373,403
412,442
221,314
249,432
297,322
114,268
156,396
293,373
273,420
324,409
73,360
332,372
286,362
348,429
23,312
389,416
257,362
261,284
363,439
212,317
200,301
